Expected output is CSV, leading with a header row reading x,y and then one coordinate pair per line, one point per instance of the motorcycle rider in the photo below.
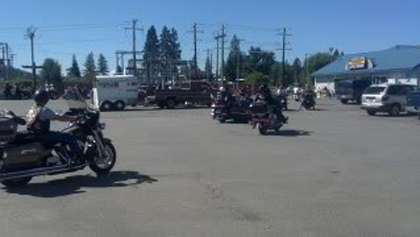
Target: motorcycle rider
x,y
227,96
268,98
308,96
39,120
282,96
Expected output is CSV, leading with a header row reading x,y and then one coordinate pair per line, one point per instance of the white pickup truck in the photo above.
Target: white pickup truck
x,y
115,92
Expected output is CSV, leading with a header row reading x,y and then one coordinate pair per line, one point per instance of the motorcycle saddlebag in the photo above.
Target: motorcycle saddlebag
x,y
8,130
259,108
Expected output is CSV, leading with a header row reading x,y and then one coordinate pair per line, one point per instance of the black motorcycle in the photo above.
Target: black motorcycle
x,y
264,117
283,102
23,156
237,110
308,101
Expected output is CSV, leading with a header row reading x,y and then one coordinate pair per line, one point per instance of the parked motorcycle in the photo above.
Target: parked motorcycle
x,y
264,118
23,156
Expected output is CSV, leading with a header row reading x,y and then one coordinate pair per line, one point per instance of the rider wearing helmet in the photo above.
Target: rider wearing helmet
x,y
39,120
270,100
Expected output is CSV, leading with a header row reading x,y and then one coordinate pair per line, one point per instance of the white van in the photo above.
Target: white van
x,y
115,92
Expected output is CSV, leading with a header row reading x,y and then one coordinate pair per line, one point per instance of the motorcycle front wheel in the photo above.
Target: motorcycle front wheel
x,y
103,165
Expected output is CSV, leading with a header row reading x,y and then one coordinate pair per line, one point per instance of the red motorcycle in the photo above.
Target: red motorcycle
x,y
237,110
264,118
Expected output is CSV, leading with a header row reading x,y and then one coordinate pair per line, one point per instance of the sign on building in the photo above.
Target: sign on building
x,y
358,63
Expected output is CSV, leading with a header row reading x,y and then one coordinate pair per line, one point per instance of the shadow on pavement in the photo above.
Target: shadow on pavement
x,y
290,133
399,116
146,109
73,184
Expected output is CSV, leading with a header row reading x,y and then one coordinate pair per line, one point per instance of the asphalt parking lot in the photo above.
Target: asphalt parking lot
x,y
330,172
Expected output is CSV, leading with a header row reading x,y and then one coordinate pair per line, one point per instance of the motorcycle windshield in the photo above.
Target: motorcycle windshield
x,y
75,100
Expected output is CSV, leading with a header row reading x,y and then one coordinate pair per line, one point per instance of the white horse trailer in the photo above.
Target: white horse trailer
x,y
115,92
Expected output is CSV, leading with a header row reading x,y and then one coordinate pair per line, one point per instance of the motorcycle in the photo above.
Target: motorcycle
x,y
23,156
264,118
283,102
308,102
238,111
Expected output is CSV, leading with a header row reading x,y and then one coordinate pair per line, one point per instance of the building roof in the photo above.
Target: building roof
x,y
400,57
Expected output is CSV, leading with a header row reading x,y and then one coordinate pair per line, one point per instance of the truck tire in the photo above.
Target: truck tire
x,y
170,103
119,105
344,101
106,106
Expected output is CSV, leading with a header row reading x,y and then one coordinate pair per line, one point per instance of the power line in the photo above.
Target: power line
x,y
134,29
284,34
84,41
195,32
68,27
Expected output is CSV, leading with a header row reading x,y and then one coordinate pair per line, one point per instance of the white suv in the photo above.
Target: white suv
x,y
389,98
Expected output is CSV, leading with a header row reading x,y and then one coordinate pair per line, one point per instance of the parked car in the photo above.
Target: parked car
x,y
388,98
413,103
351,90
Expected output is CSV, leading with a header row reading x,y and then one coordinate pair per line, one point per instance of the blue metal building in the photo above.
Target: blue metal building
x,y
399,64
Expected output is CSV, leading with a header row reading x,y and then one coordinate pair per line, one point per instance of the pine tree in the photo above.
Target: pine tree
x,y
51,72
297,71
232,60
151,52
209,70
102,65
165,50
336,54
119,70
90,68
74,70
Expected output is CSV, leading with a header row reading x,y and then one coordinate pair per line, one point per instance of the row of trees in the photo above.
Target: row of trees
x,y
260,66
161,54
51,72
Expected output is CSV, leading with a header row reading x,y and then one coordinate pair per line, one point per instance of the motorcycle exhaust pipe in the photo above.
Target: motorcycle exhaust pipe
x,y
38,172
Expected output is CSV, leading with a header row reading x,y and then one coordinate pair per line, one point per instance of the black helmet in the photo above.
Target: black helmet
x,y
41,97
263,88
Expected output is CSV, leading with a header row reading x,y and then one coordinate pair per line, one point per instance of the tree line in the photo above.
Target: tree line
x,y
162,56
260,66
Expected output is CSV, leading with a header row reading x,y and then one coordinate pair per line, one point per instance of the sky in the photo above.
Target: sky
x,y
78,27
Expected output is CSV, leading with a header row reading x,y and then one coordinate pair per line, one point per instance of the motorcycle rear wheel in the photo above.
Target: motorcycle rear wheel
x,y
16,183
104,167
262,130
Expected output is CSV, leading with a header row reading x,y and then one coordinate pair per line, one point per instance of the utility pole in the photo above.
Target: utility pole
x,y
223,53
7,61
217,59
284,35
195,61
218,36
211,66
207,67
195,50
134,29
30,33
306,68
117,63
238,58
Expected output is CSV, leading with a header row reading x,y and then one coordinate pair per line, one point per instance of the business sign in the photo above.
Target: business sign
x,y
358,63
